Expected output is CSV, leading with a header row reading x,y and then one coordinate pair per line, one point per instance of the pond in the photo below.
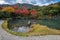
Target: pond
x,y
20,25
23,25
21,29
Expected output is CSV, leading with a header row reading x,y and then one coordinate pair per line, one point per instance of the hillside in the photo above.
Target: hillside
x,y
38,11
18,4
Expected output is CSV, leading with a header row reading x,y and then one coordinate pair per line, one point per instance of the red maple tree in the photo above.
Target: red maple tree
x,y
24,11
33,13
17,11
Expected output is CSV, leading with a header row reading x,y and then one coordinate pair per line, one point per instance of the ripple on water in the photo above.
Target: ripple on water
x,y
22,29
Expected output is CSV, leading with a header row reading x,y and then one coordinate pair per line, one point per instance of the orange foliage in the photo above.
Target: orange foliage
x,y
9,9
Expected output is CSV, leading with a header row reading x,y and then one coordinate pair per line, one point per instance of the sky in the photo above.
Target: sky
x,y
34,2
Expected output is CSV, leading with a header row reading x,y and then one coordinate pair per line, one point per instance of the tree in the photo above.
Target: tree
x,y
18,12
5,14
53,12
1,8
8,9
24,11
34,13
8,12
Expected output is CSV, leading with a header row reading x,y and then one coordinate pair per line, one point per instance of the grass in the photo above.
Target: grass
x,y
35,31
44,30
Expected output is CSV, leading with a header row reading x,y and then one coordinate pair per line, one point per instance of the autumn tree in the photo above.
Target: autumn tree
x,y
1,8
24,11
34,13
9,9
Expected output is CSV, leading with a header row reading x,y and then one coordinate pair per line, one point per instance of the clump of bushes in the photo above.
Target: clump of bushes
x,y
36,12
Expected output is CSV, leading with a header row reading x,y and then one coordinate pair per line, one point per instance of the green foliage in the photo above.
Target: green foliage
x,y
6,14
52,10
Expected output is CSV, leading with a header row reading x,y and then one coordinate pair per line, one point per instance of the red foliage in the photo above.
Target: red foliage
x,y
33,12
1,8
15,7
24,11
17,11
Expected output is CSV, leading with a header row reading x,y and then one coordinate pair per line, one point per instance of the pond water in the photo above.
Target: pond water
x,y
19,25
21,29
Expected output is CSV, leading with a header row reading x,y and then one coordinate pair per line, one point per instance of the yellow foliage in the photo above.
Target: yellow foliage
x,y
9,9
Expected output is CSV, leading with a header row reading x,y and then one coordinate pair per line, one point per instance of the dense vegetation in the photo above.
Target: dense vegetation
x,y
29,11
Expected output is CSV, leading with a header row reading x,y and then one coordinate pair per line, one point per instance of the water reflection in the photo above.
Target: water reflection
x,y
23,29
20,25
